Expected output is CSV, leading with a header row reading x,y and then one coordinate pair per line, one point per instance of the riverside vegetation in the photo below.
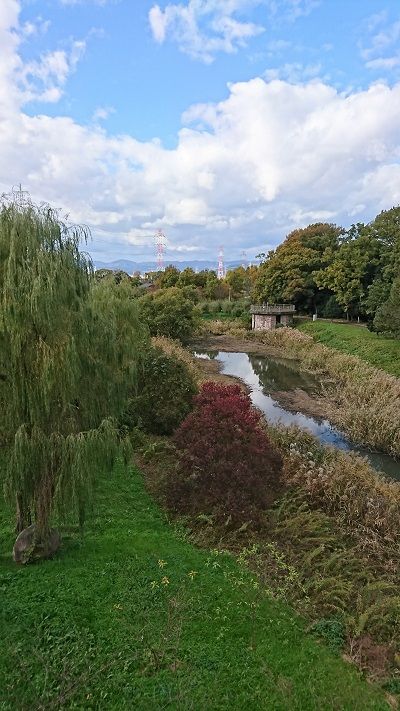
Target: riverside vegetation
x,y
362,400
160,622
329,544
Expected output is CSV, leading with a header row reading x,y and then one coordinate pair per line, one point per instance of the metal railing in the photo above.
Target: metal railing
x,y
272,308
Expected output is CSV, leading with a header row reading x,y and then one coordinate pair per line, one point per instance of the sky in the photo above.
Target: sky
x,y
221,122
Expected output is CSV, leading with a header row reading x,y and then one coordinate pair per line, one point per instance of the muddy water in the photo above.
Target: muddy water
x,y
266,376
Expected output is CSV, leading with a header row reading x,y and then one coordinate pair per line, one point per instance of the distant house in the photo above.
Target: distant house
x,y
147,286
266,317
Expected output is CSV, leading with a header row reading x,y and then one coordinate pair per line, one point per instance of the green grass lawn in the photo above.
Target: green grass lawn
x,y
377,350
106,626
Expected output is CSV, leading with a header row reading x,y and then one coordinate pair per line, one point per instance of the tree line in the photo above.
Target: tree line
x,y
336,273
322,269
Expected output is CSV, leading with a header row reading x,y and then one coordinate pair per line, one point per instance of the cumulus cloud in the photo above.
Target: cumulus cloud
x,y
271,156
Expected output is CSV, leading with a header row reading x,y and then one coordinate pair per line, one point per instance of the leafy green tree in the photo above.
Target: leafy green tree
x,y
237,281
169,277
351,269
215,288
165,393
168,312
64,364
290,271
201,278
116,275
210,285
187,277
385,229
387,317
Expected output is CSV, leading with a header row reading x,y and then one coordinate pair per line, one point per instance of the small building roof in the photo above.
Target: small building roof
x,y
272,309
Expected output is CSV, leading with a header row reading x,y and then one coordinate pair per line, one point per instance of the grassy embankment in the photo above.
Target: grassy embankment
x,y
381,352
134,616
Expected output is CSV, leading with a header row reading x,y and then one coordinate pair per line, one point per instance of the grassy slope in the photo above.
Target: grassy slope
x,y
87,630
377,350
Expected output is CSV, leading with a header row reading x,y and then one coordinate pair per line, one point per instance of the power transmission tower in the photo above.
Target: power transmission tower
x,y
221,269
161,243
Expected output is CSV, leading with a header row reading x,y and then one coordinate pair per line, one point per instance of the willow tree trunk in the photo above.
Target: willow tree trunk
x,y
23,513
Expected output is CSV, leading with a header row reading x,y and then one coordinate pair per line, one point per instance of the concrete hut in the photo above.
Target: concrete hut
x,y
266,317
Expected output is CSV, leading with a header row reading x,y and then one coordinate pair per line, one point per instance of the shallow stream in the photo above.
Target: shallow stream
x,y
265,376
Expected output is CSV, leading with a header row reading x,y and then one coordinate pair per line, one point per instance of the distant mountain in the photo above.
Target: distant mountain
x,y
128,266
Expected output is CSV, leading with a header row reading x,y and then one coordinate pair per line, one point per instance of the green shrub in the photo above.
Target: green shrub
x,y
168,312
215,307
165,394
332,630
237,310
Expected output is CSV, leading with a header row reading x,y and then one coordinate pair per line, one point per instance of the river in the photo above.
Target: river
x,y
265,376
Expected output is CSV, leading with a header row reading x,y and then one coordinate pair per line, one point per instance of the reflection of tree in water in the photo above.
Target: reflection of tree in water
x,y
275,375
212,355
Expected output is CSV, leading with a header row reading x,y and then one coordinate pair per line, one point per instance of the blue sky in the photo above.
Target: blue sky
x,y
220,121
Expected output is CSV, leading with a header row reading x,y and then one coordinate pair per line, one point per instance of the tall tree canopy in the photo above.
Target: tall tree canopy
x,y
350,269
66,359
289,272
385,229
387,317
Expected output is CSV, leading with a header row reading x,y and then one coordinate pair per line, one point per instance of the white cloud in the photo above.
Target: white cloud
x,y
36,27
294,72
381,51
45,78
271,156
291,10
102,113
201,28
385,63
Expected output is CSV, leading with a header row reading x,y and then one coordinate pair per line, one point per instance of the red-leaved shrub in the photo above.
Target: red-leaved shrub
x,y
227,465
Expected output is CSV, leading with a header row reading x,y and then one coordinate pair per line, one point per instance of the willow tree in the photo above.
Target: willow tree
x,y
67,358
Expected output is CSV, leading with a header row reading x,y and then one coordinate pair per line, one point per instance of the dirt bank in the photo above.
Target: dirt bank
x,y
232,344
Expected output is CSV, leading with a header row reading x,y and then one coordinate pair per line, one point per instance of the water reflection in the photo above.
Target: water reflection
x,y
264,376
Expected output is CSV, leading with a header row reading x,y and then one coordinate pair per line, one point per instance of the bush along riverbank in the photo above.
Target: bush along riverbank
x,y
327,542
362,401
